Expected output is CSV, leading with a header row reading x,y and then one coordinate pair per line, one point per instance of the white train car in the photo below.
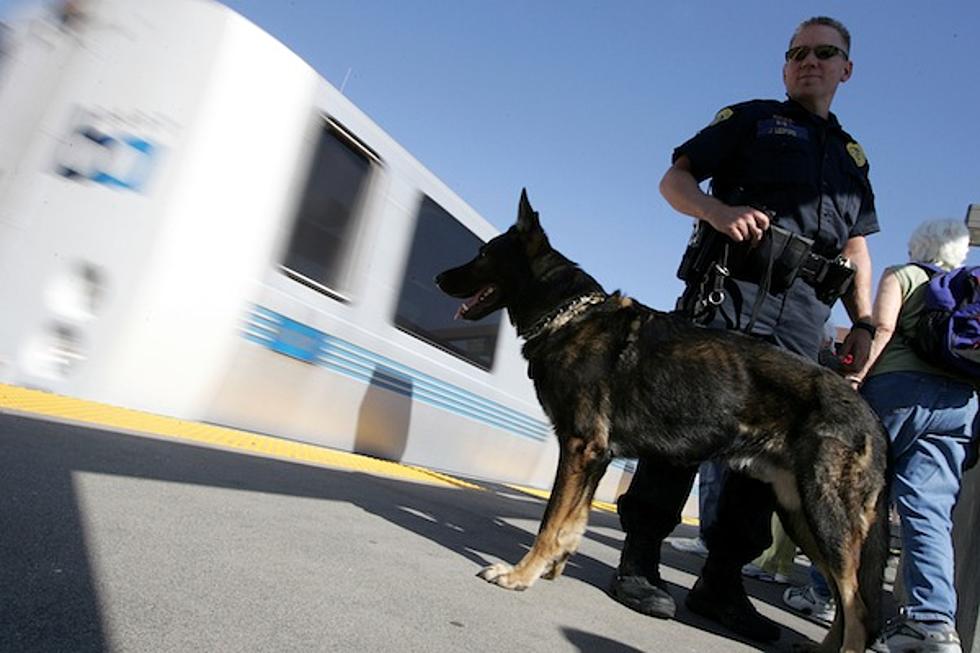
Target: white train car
x,y
194,223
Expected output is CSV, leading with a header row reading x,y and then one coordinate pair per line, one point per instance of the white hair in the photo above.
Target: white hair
x,y
940,242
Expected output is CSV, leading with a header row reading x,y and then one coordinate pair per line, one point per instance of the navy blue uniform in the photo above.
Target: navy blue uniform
x,y
813,177
806,171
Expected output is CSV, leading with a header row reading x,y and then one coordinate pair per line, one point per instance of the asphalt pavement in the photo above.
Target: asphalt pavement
x,y
115,541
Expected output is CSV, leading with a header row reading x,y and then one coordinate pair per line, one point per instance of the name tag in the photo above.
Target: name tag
x,y
778,126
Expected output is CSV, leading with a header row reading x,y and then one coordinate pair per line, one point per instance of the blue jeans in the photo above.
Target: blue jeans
x,y
711,480
819,584
929,420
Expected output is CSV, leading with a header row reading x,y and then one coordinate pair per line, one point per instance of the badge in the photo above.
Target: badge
x,y
857,154
721,116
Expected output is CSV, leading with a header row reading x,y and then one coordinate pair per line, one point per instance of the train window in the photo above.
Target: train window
x,y
326,221
441,242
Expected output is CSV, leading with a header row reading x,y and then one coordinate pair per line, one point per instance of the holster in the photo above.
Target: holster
x,y
780,256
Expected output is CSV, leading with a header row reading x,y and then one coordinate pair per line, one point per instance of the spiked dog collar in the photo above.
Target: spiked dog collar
x,y
564,314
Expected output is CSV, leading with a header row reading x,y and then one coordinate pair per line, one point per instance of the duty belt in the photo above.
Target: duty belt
x,y
774,264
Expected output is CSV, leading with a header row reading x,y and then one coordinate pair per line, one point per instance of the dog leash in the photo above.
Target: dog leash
x,y
763,290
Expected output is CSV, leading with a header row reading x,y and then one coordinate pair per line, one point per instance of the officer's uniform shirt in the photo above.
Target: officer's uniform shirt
x,y
809,173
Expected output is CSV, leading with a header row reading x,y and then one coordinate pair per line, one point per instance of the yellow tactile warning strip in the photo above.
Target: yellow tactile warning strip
x,y
35,402
597,505
544,494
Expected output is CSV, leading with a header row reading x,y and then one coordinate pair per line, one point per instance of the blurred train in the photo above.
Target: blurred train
x,y
194,223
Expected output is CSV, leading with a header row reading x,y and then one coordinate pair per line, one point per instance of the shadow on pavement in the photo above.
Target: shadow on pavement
x,y
590,643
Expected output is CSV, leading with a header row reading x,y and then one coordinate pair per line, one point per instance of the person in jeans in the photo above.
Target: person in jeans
x,y
929,414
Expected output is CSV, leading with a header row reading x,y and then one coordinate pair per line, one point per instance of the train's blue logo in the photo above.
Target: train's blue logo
x,y
120,161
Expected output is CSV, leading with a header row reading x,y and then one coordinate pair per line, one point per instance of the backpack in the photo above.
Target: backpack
x,y
947,332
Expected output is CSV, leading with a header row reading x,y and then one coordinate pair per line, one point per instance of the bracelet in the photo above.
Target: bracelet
x,y
865,326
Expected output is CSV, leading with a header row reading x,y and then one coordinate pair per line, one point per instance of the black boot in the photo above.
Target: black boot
x,y
725,602
643,595
637,583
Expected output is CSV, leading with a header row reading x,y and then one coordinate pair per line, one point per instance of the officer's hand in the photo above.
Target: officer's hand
x,y
854,351
740,223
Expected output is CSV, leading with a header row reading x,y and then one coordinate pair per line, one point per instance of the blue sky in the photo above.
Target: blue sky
x,y
583,101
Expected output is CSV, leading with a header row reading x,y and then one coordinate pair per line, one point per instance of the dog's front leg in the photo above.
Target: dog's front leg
x,y
581,465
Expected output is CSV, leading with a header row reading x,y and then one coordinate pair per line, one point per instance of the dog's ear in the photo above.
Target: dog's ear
x,y
529,227
527,218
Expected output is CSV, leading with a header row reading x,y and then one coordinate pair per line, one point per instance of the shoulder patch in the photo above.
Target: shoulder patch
x,y
857,153
721,116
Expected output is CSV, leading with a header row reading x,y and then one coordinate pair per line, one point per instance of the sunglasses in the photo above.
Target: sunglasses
x,y
822,52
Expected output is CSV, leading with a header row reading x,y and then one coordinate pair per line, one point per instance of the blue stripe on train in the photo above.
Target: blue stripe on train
x,y
288,337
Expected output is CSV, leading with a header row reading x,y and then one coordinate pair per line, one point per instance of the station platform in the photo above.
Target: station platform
x,y
134,532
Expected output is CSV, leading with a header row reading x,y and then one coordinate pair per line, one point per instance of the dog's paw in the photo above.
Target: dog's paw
x,y
503,575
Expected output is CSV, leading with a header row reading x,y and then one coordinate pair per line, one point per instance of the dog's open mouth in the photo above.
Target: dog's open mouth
x,y
478,305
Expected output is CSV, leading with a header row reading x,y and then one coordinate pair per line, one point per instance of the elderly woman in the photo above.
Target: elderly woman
x,y
928,413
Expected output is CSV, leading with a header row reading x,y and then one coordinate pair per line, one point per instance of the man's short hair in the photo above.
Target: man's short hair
x,y
828,22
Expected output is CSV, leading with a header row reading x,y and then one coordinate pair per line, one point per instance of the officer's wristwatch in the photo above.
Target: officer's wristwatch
x,y
865,326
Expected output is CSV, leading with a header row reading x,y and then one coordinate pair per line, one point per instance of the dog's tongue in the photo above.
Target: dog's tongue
x,y
480,296
466,306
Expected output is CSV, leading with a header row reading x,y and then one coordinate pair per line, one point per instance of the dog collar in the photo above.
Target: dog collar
x,y
564,314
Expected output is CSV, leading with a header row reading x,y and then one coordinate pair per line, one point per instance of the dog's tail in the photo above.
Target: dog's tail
x,y
874,557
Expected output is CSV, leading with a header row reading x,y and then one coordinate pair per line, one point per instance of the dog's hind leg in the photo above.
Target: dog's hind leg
x,y
837,526
859,578
581,465
850,519
798,527
848,633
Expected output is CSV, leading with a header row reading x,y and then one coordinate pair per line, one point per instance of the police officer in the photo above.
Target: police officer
x,y
792,165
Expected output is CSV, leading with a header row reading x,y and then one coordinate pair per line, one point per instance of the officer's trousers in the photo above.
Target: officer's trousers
x,y
651,508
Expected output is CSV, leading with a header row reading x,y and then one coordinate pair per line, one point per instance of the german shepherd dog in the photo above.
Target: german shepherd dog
x,y
617,378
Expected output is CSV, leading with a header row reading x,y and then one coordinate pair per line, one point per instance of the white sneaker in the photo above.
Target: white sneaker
x,y
804,599
905,635
690,545
757,572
